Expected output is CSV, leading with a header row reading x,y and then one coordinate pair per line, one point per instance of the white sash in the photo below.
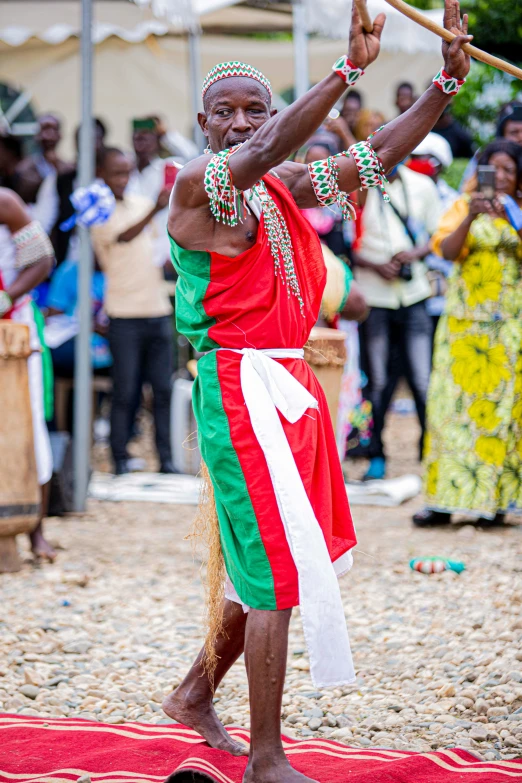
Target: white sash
x,y
267,387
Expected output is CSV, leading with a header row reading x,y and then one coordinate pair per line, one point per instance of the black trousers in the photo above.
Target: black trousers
x,y
141,349
396,341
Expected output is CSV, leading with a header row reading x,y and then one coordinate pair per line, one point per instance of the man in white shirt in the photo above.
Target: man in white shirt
x,y
139,310
148,179
392,275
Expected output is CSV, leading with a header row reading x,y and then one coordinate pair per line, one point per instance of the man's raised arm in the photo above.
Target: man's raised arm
x,y
398,138
285,132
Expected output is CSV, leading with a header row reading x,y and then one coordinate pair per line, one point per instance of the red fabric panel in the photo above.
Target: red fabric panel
x,y
313,445
251,305
37,749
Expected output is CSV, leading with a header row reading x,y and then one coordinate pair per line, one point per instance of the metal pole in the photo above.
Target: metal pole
x,y
194,41
300,35
83,370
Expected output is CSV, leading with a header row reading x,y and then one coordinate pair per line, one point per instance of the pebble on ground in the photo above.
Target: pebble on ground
x,y
106,632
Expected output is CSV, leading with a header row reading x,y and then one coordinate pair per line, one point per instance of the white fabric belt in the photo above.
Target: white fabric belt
x,y
267,387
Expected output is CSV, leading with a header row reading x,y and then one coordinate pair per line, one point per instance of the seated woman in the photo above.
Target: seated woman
x,y
473,451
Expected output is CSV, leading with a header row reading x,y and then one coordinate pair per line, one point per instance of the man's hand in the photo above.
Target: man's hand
x,y
388,271
363,47
479,205
407,256
163,199
456,62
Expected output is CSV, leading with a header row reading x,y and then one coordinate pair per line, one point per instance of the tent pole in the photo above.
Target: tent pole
x,y
83,369
194,41
300,35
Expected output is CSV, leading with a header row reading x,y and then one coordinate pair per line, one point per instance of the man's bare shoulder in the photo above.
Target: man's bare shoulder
x,y
192,174
13,212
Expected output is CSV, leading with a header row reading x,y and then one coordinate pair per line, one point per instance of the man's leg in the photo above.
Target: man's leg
x,y
158,369
418,338
125,345
39,544
376,331
266,647
191,703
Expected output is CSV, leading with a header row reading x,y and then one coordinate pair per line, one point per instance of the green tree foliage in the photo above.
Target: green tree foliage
x,y
496,24
497,28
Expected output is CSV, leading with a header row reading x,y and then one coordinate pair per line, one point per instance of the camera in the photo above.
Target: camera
x,y
405,273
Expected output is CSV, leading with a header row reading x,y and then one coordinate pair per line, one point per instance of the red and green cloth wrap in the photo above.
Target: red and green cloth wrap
x,y
238,303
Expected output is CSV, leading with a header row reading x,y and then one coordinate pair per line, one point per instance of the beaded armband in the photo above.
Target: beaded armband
x,y
369,166
446,83
228,205
6,303
348,72
324,175
31,245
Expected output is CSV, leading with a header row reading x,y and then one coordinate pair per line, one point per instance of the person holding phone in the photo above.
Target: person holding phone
x,y
150,176
139,310
473,450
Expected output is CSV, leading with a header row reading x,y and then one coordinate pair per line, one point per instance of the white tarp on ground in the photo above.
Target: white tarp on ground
x,y
184,490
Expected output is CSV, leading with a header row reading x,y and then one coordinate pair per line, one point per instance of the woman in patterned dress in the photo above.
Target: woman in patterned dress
x,y
473,451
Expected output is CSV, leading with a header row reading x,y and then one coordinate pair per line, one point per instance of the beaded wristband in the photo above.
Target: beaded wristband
x,y
348,72
6,303
369,166
31,245
324,175
446,83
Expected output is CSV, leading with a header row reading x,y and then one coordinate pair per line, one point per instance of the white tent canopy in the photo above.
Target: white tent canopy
x,y
332,19
55,21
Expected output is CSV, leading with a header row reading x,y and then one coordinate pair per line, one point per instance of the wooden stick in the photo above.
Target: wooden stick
x,y
366,19
478,54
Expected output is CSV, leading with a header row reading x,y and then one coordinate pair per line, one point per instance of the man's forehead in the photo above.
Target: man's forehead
x,y
237,90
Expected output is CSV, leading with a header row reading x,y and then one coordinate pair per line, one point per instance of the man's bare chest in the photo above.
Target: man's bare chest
x,y
232,241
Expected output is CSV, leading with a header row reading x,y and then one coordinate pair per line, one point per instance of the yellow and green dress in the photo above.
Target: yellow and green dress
x,y
473,450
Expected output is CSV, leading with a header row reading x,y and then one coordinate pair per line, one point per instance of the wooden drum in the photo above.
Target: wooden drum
x,y
19,490
325,352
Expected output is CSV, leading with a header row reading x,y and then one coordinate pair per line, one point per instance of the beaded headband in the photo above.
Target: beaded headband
x,y
235,68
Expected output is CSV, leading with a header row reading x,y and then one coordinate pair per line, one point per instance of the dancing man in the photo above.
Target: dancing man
x,y
251,275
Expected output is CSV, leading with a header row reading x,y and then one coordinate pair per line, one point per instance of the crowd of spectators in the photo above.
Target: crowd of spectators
x,y
413,261
436,269
132,327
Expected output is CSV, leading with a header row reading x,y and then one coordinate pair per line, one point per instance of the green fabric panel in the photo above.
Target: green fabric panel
x,y
245,557
47,364
348,279
193,268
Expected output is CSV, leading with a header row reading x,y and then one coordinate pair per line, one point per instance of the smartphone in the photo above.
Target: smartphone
x,y
487,181
170,173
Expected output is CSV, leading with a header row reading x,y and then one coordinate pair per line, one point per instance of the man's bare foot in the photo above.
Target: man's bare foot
x,y
201,716
41,548
273,771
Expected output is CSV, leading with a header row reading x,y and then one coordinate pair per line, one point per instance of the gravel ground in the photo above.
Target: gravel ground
x,y
114,624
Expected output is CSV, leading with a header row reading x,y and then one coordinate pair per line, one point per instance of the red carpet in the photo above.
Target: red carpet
x,y
36,750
